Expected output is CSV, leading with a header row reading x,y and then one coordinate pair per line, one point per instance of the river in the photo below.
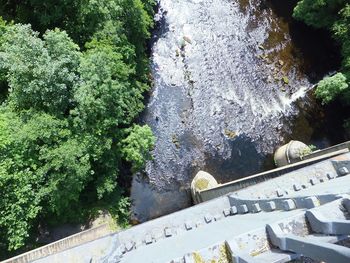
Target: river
x,y
231,83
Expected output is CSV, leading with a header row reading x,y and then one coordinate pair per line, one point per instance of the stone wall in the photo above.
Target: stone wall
x,y
63,244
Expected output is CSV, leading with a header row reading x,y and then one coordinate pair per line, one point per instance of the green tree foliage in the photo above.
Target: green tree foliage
x,y
92,16
18,204
333,15
330,87
41,73
67,123
106,97
82,18
43,169
3,82
341,30
42,15
136,146
318,13
3,29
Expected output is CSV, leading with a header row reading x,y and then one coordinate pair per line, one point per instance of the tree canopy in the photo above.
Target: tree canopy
x,y
72,79
318,13
330,87
41,73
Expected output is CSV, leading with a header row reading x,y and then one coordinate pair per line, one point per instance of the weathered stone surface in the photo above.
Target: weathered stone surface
x,y
202,181
290,152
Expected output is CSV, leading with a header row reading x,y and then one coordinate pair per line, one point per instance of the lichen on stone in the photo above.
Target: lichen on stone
x,y
197,258
225,256
222,257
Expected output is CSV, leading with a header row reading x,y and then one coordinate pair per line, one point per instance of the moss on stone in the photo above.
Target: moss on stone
x,y
224,256
201,184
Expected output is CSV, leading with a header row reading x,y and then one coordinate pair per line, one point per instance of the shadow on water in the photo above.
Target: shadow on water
x,y
160,28
320,53
244,160
316,124
320,125
149,203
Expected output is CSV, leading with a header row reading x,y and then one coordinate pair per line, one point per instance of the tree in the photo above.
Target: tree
x,y
136,146
66,125
318,13
92,16
341,32
330,87
40,73
3,82
137,21
42,169
41,15
3,28
107,101
18,204
106,97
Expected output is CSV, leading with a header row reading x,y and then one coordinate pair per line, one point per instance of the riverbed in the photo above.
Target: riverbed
x,y
231,84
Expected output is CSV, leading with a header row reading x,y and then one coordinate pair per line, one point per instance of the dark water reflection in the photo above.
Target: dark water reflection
x,y
230,80
240,149
320,54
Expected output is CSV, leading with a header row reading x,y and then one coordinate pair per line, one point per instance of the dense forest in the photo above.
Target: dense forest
x,y
332,15
72,79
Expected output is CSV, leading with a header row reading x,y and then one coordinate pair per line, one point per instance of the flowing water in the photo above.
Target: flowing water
x,y
226,78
